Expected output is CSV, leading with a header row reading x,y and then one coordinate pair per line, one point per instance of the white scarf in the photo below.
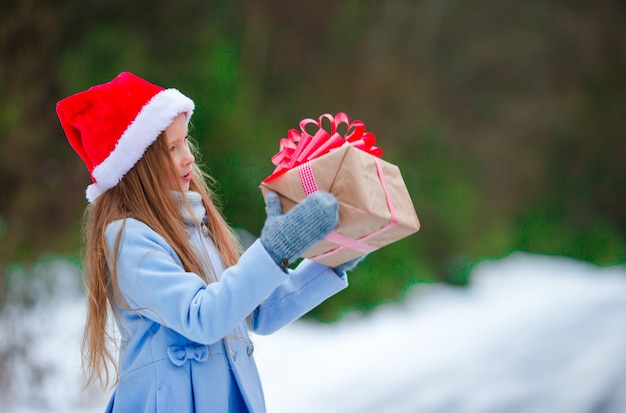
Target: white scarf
x,y
197,213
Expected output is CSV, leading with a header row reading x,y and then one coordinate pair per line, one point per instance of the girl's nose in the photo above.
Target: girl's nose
x,y
189,158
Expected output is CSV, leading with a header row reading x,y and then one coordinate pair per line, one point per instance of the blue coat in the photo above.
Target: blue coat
x,y
184,344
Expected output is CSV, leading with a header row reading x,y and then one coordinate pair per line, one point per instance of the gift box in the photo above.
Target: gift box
x,y
375,208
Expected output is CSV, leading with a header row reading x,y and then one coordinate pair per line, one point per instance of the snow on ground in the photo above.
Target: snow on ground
x,y
531,334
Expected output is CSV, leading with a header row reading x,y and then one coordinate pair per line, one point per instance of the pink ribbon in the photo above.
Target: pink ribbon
x,y
309,184
301,146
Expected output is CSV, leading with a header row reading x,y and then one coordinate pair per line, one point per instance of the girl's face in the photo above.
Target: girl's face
x,y
176,141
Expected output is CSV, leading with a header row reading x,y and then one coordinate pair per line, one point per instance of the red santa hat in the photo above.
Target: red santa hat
x,y
111,125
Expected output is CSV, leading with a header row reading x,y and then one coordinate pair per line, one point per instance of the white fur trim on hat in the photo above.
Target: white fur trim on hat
x,y
153,119
94,191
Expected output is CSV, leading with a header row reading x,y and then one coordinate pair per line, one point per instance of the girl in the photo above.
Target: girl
x,y
161,260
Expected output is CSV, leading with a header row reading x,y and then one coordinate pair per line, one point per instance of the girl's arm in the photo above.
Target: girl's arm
x,y
307,286
152,281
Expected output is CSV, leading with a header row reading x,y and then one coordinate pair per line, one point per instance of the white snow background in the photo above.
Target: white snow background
x,y
530,334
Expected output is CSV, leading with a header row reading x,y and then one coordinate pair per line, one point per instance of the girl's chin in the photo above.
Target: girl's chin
x,y
181,186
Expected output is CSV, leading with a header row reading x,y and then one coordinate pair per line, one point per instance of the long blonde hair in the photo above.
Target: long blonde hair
x,y
143,194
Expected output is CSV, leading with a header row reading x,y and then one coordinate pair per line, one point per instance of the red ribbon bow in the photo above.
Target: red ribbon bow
x,y
300,146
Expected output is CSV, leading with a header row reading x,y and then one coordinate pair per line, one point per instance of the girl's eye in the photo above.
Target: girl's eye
x,y
178,144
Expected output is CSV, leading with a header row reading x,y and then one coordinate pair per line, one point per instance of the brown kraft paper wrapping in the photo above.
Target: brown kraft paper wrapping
x,y
351,175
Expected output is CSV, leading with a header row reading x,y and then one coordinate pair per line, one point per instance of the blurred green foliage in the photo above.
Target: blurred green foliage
x,y
506,118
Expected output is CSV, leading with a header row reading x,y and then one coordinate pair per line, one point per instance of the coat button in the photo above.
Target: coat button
x,y
233,355
250,349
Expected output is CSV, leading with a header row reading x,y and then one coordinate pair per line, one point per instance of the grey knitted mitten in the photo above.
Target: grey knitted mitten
x,y
287,236
348,266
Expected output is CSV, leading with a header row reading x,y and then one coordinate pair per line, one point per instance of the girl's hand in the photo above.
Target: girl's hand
x,y
348,266
287,236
